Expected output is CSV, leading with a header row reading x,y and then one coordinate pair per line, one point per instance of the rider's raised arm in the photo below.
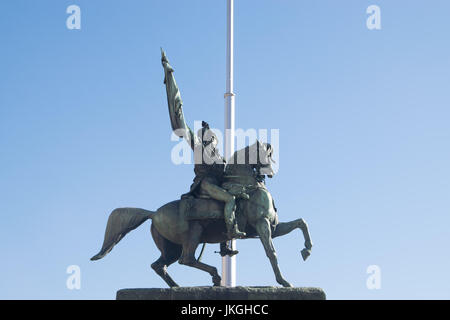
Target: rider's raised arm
x,y
175,104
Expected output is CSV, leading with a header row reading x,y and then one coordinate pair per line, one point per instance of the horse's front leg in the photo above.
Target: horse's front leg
x,y
286,227
264,232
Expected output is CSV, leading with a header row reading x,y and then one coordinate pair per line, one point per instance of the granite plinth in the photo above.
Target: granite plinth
x,y
222,293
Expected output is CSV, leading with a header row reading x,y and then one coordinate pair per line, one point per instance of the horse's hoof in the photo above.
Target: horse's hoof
x,y
305,254
286,284
216,281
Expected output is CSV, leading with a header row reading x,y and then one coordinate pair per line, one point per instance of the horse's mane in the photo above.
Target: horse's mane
x,y
245,156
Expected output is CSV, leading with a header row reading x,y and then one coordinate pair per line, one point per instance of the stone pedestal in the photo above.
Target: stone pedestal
x,y
222,293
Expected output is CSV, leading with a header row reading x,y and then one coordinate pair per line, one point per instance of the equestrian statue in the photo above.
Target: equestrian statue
x,y
227,200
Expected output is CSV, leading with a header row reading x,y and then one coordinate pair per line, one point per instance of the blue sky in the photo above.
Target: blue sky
x,y
364,138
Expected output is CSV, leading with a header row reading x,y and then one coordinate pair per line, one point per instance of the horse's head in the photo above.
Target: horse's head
x,y
254,161
264,161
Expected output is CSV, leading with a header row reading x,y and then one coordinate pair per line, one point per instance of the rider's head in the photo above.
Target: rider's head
x,y
207,136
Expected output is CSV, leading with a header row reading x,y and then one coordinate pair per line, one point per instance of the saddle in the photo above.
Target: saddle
x,y
201,208
204,207
195,207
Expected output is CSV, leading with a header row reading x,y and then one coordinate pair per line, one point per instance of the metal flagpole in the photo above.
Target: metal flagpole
x,y
229,263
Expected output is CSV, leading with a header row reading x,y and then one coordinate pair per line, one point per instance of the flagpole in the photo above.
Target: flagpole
x,y
229,263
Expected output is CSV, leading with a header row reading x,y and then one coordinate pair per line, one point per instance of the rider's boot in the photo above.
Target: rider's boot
x,y
232,228
234,233
226,251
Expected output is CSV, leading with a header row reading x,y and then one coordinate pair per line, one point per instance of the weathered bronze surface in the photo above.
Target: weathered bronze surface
x,y
224,202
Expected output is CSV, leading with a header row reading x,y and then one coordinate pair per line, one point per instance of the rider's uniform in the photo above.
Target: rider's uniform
x,y
212,173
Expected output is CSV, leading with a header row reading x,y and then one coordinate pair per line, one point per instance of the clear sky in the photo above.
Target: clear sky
x,y
364,138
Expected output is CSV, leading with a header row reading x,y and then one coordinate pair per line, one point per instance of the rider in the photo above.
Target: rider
x,y
209,165
209,169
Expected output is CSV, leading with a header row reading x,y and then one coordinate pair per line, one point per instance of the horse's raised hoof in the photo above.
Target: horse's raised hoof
x,y
305,254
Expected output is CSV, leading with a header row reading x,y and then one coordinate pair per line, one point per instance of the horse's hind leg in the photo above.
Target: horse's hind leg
x,y
286,227
170,252
264,232
188,255
190,261
160,267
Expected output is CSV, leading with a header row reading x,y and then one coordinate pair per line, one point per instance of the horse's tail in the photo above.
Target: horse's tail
x,y
120,222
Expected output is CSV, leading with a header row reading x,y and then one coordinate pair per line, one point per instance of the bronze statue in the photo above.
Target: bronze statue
x,y
219,204
209,165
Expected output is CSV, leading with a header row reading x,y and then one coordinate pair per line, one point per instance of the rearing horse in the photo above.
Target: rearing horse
x,y
178,232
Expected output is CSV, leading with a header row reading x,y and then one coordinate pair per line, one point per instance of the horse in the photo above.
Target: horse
x,y
178,228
